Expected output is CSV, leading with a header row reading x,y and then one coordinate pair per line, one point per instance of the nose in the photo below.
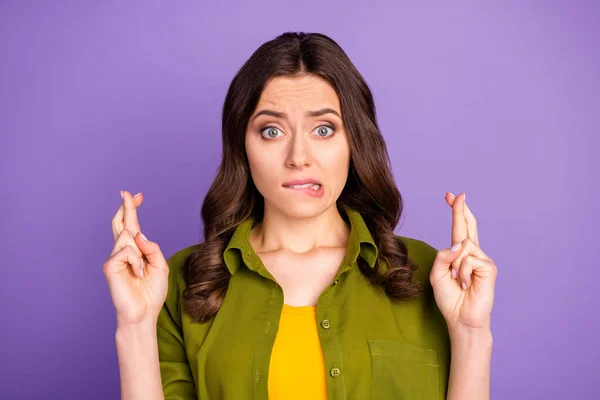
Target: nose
x,y
299,153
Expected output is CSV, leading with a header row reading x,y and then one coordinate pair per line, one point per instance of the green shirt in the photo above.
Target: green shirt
x,y
373,348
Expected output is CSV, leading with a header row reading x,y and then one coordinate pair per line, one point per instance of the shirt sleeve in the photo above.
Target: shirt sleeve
x,y
438,336
176,375
443,344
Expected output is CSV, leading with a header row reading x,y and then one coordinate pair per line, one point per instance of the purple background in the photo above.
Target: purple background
x,y
499,100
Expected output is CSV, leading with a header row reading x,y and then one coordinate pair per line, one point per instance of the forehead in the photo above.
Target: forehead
x,y
306,91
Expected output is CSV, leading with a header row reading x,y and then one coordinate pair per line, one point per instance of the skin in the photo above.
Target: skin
x,y
301,239
292,220
300,232
465,299
137,277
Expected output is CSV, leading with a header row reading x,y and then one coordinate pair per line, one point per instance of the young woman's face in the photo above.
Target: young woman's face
x,y
297,133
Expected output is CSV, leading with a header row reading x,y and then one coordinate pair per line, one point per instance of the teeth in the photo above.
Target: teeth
x,y
306,185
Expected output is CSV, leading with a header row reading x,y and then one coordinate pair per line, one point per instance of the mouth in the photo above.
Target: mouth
x,y
314,186
308,187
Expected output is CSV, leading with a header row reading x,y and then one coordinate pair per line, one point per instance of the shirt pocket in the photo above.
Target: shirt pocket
x,y
403,371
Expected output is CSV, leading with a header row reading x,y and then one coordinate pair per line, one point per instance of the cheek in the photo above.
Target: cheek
x,y
336,160
335,164
262,167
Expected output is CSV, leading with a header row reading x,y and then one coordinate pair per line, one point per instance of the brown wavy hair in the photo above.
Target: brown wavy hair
x,y
232,197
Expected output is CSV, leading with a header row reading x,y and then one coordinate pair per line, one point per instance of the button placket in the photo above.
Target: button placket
x,y
330,342
258,375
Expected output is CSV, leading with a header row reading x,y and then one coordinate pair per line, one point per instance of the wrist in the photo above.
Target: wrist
x,y
471,337
141,328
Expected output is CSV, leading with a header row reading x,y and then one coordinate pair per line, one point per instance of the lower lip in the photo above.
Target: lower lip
x,y
308,191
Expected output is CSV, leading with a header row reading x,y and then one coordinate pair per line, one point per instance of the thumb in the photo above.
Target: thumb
x,y
150,250
444,259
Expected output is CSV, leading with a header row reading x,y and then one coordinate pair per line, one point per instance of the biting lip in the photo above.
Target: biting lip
x,y
302,182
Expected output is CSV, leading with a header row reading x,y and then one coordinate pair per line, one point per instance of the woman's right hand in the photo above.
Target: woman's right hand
x,y
136,272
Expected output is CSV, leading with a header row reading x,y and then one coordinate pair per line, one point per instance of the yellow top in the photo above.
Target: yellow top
x,y
297,366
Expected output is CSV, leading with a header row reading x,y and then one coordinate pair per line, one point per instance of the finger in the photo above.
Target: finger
x,y
459,222
125,238
122,259
471,265
442,263
151,251
471,224
138,198
118,220
468,247
130,214
450,198
471,221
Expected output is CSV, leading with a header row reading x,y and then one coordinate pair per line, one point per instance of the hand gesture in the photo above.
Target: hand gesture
x,y
136,272
463,277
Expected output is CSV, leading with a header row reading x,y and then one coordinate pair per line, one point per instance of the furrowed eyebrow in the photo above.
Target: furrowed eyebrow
x,y
316,113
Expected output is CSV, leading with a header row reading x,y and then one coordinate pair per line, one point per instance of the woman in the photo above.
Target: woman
x,y
301,289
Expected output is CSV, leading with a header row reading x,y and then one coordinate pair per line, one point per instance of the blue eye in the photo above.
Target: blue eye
x,y
321,132
271,132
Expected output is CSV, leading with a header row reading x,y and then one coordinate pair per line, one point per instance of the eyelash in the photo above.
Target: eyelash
x,y
330,126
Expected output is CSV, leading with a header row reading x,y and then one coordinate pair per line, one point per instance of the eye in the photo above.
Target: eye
x,y
271,132
322,130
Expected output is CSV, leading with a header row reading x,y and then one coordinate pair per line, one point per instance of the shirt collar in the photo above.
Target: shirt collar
x,y
360,242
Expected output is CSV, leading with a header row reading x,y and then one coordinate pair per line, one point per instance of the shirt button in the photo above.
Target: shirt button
x,y
325,324
257,375
335,372
335,282
267,327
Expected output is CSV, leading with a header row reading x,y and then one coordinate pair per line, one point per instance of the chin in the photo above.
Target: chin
x,y
302,209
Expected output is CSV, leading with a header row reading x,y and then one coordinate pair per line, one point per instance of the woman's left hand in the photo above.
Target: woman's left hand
x,y
465,297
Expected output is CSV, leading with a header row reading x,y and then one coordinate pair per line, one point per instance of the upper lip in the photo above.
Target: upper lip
x,y
302,182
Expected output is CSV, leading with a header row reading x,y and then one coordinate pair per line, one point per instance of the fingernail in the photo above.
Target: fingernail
x,y
464,286
465,196
454,273
137,194
143,236
142,272
455,248
122,195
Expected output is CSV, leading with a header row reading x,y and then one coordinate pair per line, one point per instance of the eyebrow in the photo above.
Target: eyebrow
x,y
316,113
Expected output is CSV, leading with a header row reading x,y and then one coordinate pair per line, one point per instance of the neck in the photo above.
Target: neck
x,y
279,231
